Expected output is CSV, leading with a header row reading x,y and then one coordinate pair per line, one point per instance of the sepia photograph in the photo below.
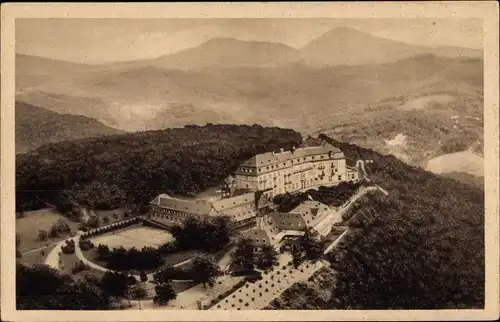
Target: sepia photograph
x,y
239,163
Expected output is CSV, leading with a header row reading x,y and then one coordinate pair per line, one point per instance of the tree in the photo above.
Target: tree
x,y
43,288
138,292
164,293
117,284
94,222
205,269
42,235
244,256
297,255
312,245
268,257
103,250
144,277
18,241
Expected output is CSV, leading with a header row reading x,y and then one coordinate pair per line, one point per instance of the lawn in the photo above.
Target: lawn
x,y
35,257
67,261
27,228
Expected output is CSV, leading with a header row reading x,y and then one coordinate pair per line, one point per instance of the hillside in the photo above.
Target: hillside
x,y
423,247
109,172
33,70
150,97
36,126
346,46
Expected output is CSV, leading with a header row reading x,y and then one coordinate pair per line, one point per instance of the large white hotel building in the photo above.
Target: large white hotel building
x,y
295,170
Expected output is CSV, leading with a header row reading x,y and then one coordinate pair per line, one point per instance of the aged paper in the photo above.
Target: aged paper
x,y
111,113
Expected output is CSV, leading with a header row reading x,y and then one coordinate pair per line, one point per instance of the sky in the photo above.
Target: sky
x,y
98,41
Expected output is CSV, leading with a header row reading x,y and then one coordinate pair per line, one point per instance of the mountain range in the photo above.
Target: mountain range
x,y
345,79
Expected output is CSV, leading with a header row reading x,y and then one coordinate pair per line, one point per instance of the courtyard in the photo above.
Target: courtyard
x,y
137,237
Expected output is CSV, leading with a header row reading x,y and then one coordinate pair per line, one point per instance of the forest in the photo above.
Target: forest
x,y
112,171
422,247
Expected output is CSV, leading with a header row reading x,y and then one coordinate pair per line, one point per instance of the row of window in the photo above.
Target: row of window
x,y
272,167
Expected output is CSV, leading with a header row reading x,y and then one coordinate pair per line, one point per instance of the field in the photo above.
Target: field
x,y
27,228
137,237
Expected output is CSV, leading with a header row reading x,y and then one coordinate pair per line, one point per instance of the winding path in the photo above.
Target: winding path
x,y
52,258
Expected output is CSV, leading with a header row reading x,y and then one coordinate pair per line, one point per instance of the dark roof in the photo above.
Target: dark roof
x,y
287,221
258,236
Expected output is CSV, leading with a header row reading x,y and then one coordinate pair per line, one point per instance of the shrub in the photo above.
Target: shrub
x,y
68,248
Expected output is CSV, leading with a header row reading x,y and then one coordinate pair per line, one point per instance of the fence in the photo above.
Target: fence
x,y
111,227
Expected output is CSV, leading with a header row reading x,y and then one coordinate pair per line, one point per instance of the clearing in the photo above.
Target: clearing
x,y
424,101
465,161
27,228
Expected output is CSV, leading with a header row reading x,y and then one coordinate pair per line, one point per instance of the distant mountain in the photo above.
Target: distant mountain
x,y
37,126
346,46
225,53
33,70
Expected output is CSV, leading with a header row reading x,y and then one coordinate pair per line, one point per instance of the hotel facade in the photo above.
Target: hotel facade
x,y
295,170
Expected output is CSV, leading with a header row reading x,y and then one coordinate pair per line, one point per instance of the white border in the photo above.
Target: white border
x,y
486,10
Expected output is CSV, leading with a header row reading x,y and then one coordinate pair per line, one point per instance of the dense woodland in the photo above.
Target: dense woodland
x,y
107,172
43,288
420,248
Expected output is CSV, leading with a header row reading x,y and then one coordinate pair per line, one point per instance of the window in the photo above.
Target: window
x,y
340,177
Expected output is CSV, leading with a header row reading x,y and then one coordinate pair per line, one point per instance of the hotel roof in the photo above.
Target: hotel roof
x,y
202,206
197,207
271,158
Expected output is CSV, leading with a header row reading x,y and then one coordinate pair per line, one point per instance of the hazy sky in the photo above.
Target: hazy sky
x,y
108,40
